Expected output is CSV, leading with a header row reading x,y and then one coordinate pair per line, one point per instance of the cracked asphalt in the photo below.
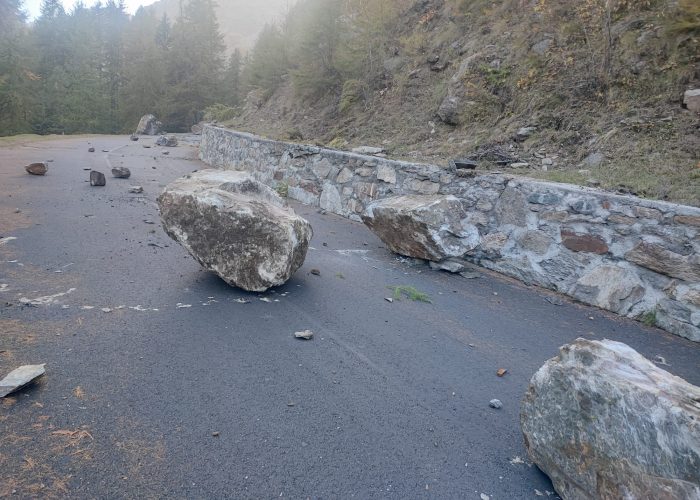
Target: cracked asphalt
x,y
163,382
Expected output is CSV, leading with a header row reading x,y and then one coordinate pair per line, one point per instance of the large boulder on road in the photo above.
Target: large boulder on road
x,y
235,226
430,227
149,125
604,422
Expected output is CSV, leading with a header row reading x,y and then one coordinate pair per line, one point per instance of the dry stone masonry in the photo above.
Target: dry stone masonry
x,y
604,422
635,257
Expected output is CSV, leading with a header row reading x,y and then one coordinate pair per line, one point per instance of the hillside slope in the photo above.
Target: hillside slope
x,y
240,21
556,89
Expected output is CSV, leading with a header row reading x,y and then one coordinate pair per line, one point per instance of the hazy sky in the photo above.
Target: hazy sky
x,y
32,6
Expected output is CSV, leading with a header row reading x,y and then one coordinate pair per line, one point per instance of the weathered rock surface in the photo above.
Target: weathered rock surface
x,y
168,141
368,150
235,226
20,377
121,172
149,125
97,178
430,227
37,168
691,99
604,422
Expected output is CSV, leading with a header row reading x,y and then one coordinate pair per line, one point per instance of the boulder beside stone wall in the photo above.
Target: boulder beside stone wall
x,y
604,422
429,227
586,243
235,226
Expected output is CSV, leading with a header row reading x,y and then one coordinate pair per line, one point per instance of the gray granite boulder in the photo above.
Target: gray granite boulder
x,y
604,422
149,125
235,226
121,172
39,168
429,227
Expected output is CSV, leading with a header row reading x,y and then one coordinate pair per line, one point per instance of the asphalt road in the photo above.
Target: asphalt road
x,y
179,390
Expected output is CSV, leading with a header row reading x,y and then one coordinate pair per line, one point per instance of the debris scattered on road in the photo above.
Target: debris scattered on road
x,y
106,310
316,272
216,434
39,168
121,172
134,137
5,240
148,221
485,497
265,299
242,301
305,335
170,141
19,378
556,301
516,460
91,150
660,360
389,299
180,305
97,178
136,189
501,372
46,300
496,403
410,293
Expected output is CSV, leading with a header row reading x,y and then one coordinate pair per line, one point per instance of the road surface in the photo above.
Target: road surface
x,y
163,382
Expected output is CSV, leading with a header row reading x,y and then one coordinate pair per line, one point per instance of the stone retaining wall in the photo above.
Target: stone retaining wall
x,y
638,258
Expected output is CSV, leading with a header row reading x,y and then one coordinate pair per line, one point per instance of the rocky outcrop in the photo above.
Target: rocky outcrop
x,y
426,227
149,125
37,168
604,422
235,226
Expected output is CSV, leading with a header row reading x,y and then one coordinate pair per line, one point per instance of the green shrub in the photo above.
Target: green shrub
x,y
352,93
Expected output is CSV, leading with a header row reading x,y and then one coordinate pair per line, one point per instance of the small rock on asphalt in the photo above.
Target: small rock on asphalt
x,y
496,403
316,272
121,172
37,168
136,189
91,150
19,378
97,178
305,335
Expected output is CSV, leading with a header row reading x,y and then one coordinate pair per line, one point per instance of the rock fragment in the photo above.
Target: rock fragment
x,y
167,141
39,168
121,172
97,178
20,377
304,335
237,227
136,189
496,404
604,422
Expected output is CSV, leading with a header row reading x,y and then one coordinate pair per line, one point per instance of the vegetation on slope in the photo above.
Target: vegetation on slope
x,y
597,84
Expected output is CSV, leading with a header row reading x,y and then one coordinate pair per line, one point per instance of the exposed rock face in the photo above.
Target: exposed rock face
x,y
235,226
604,422
149,125
37,168
97,178
121,172
691,99
424,227
170,141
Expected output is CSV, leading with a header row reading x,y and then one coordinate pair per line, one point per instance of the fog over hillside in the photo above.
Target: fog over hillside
x,y
240,21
